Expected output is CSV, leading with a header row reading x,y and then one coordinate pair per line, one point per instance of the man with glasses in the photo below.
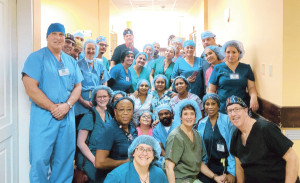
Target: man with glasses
x,y
69,44
262,153
102,43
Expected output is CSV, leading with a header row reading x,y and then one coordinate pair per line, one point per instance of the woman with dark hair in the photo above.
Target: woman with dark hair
x,y
184,150
143,154
120,74
145,123
113,141
88,129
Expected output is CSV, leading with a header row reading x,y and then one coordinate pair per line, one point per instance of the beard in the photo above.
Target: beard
x,y
156,52
167,121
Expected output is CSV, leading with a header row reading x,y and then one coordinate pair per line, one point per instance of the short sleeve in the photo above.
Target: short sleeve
x,y
78,74
86,122
107,142
175,71
213,79
116,55
275,139
33,65
250,73
174,149
112,177
114,72
156,134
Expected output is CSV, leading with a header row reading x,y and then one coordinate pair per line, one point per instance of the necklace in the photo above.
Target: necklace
x,y
144,180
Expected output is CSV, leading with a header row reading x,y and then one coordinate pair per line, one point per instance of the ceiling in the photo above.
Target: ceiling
x,y
179,6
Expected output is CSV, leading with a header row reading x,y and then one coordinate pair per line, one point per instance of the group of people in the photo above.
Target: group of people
x,y
145,117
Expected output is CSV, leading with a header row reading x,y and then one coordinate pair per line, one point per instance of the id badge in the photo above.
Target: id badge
x,y
220,147
63,72
127,78
234,76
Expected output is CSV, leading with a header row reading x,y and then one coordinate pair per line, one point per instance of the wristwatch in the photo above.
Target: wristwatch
x,y
70,105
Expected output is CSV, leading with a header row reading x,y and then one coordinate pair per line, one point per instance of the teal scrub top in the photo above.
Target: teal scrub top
x,y
158,67
135,79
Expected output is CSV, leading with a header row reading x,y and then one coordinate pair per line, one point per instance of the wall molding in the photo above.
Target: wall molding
x,y
287,117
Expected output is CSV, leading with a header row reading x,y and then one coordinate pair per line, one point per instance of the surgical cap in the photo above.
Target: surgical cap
x,y
177,40
116,93
143,81
79,34
161,76
207,34
237,44
78,43
141,53
173,47
189,43
55,27
125,53
179,106
163,107
101,87
152,47
217,51
235,100
151,114
94,43
123,98
148,140
185,80
70,37
213,96
101,38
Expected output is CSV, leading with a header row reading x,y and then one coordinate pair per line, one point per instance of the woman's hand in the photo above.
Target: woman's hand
x,y
155,123
254,104
173,94
229,178
87,104
191,79
135,94
220,178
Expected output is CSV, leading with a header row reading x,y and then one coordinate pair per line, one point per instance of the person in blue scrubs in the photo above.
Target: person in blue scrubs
x,y
114,140
102,44
138,71
233,77
165,126
88,130
191,68
143,153
120,74
94,74
156,46
149,50
52,80
216,131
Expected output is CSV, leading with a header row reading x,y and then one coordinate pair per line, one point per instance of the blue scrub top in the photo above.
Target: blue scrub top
x,y
148,66
114,140
104,62
122,80
127,173
160,133
118,52
92,76
226,87
182,68
135,79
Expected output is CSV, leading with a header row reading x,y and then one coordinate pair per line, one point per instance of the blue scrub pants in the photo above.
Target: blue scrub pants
x,y
51,144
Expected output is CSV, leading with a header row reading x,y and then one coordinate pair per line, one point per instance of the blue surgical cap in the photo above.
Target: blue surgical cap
x,y
237,44
143,81
101,87
141,53
79,34
207,34
151,114
189,43
123,98
55,27
179,106
152,47
148,140
173,47
101,38
213,96
185,80
87,42
177,40
163,107
161,76
217,51
116,93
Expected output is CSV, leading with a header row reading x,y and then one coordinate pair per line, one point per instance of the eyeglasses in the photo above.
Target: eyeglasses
x,y
142,149
236,110
146,116
123,110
